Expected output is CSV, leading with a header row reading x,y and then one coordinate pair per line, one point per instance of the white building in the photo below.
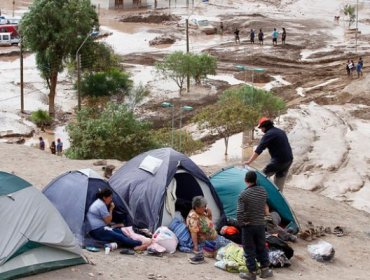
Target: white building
x,y
124,4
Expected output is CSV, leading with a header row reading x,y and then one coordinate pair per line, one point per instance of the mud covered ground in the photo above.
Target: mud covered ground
x,y
327,122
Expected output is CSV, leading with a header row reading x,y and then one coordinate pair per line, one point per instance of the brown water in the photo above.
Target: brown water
x,y
50,136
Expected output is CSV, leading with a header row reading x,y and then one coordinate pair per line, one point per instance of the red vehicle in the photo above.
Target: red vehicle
x,y
11,28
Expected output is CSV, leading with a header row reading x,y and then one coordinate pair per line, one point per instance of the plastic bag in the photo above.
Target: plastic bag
x,y
321,251
166,238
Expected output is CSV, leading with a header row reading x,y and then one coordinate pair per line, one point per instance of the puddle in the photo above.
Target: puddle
x,y
147,76
50,136
215,154
230,79
277,82
305,54
302,91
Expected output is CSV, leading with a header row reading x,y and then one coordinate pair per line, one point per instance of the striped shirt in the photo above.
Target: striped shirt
x,y
251,206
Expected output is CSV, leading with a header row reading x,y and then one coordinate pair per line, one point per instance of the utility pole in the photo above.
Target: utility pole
x,y
78,82
78,60
187,51
13,7
21,75
356,23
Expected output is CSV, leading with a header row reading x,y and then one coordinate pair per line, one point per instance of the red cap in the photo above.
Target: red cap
x,y
262,120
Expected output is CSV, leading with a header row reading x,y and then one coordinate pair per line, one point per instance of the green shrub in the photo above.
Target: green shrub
x,y
41,118
112,133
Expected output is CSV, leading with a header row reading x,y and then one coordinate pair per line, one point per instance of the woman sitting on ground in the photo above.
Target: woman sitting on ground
x,y
99,217
199,222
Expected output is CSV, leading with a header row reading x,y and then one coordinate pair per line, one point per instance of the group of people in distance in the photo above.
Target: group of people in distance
x,y
352,67
251,210
55,148
260,36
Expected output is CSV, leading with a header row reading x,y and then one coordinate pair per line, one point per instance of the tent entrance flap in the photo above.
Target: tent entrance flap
x,y
187,188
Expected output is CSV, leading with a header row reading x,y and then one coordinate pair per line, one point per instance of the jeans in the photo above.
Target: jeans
x,y
114,235
253,239
219,242
280,170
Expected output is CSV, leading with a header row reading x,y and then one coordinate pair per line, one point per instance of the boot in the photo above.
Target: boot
x,y
248,275
266,272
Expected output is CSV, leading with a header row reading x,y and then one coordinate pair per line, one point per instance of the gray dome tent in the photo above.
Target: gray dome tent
x,y
34,236
73,192
159,182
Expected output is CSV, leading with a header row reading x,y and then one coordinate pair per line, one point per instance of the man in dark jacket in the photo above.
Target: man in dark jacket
x,y
276,141
250,215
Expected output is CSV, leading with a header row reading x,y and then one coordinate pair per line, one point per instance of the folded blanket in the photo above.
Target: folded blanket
x,y
128,231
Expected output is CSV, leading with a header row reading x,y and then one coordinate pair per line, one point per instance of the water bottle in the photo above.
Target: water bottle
x,y
112,246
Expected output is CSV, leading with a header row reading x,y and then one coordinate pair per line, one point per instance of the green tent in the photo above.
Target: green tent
x,y
34,236
229,182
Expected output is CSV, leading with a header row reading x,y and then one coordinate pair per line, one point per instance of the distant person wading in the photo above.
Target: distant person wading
x,y
237,38
260,37
275,36
283,36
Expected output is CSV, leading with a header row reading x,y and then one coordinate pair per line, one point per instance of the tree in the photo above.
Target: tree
x,y
136,95
350,11
226,117
263,102
238,109
175,66
202,65
178,65
113,133
188,144
113,82
97,57
54,29
41,118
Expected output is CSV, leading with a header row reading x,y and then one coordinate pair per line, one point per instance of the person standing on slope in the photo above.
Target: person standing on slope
x,y
283,36
275,36
260,37
276,141
237,38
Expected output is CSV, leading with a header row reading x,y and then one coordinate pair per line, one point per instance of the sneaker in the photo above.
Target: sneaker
x,y
266,272
126,251
153,252
197,259
248,275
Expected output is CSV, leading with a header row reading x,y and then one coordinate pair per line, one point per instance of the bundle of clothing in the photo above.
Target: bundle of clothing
x,y
231,257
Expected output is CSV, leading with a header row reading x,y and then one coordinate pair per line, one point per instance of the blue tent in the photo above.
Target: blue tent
x,y
73,192
159,182
229,182
34,236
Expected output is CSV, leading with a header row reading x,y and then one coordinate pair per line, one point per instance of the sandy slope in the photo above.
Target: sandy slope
x,y
352,251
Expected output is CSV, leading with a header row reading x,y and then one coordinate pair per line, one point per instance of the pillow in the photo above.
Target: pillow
x,y
150,164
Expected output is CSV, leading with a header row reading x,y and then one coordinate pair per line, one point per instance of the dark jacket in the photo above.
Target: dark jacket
x,y
276,141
